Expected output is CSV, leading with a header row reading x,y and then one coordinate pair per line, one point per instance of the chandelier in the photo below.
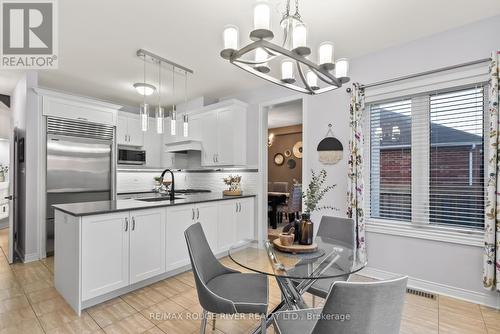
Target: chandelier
x,y
296,72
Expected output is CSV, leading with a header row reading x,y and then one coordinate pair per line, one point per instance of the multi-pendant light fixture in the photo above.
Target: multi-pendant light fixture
x,y
256,57
146,89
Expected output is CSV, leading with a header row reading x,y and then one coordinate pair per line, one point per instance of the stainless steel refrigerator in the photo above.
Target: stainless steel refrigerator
x,y
80,165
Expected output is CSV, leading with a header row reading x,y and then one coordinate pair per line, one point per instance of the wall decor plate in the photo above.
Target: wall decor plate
x,y
288,153
291,163
279,159
297,150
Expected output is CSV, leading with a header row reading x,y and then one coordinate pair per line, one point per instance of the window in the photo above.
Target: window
x,y
427,159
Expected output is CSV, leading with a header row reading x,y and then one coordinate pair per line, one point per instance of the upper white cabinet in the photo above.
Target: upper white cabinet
x,y
223,134
128,130
57,104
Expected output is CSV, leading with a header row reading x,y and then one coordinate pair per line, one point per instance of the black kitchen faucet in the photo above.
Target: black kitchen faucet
x,y
172,187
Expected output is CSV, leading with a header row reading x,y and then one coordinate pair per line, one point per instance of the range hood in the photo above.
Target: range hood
x,y
183,146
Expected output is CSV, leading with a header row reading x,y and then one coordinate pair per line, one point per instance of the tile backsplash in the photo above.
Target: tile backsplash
x,y
128,182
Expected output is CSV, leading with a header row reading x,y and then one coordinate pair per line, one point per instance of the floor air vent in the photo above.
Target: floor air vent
x,y
421,293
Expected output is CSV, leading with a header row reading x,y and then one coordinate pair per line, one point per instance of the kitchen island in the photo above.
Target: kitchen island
x,y
108,248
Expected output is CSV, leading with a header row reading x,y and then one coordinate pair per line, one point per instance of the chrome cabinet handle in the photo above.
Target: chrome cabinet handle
x,y
239,204
126,224
236,206
197,213
193,214
133,223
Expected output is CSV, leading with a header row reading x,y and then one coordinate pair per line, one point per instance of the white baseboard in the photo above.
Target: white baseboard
x,y
30,257
491,300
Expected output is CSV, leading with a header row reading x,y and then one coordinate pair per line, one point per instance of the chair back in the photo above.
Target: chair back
x,y
341,229
280,187
205,267
295,200
372,308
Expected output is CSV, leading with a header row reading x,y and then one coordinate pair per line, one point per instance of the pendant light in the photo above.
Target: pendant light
x,y
185,119
160,112
173,115
144,109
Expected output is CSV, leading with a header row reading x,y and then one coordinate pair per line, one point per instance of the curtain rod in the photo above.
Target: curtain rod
x,y
416,75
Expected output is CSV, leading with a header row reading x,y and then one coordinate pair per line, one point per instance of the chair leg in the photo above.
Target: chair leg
x,y
314,301
203,322
263,327
213,323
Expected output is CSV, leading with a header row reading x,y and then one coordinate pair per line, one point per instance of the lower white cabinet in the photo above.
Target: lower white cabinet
x,y
245,221
207,215
119,249
147,244
179,218
236,222
105,255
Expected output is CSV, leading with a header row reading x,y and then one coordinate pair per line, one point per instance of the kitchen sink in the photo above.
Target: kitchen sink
x,y
157,199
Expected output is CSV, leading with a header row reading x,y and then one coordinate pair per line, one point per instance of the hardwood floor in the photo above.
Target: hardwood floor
x,y
30,304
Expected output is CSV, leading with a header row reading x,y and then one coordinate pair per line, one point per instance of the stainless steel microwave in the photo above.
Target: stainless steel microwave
x,y
131,157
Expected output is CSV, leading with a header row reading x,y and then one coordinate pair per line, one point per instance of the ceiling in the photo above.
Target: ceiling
x,y
98,39
285,114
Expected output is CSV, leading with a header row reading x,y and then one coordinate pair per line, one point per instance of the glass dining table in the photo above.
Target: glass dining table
x,y
295,273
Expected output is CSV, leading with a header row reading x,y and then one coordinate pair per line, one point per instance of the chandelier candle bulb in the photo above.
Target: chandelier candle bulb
x,y
261,16
287,71
312,80
341,68
230,36
325,53
144,115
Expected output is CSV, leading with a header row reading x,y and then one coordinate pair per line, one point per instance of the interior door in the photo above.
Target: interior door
x,y
147,244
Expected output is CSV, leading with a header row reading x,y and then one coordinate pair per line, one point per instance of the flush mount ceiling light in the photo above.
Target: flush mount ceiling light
x,y
144,88
291,56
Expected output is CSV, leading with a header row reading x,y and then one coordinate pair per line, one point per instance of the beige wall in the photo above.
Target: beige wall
x,y
284,139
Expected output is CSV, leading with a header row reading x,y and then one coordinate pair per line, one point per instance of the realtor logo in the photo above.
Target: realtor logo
x,y
29,34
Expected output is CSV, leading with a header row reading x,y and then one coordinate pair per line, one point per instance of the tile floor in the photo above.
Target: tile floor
x,y
30,304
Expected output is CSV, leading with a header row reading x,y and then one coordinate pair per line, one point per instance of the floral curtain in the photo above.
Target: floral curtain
x,y
355,177
491,271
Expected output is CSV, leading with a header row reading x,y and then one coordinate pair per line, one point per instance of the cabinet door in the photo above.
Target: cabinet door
x,y
225,137
147,244
179,218
121,131
209,138
153,145
105,254
226,229
207,214
136,135
245,222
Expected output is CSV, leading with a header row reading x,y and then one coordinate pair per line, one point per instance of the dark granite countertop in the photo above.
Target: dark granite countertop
x,y
101,207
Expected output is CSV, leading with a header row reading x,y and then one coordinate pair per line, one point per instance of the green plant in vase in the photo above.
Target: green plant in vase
x,y
312,196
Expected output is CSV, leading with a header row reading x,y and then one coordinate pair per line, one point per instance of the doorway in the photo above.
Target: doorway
x,y
284,160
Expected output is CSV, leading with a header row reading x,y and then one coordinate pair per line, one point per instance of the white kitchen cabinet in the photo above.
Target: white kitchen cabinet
x,y
62,105
208,137
147,244
227,224
128,130
179,218
153,145
207,215
105,253
245,221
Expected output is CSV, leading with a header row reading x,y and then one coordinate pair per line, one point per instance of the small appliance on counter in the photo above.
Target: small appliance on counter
x,y
131,157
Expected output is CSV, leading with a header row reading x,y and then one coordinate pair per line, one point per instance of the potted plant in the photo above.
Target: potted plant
x,y
3,172
312,197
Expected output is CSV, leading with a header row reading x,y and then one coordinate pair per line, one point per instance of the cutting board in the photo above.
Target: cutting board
x,y
295,248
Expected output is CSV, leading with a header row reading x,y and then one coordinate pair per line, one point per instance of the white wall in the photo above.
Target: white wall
x,y
444,264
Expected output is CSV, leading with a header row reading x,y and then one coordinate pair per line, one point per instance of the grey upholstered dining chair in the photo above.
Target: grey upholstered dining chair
x,y
361,308
222,290
340,229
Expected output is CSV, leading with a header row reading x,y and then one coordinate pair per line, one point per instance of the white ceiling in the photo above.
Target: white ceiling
x,y
98,39
285,114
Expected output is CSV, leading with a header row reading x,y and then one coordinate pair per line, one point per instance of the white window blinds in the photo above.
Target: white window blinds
x,y
427,160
